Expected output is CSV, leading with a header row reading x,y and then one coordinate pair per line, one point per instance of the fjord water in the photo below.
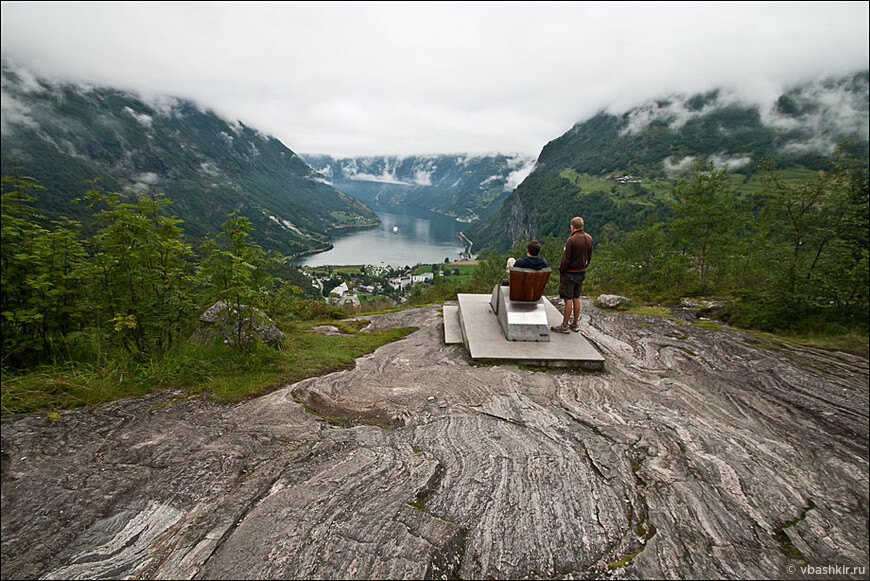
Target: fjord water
x,y
402,239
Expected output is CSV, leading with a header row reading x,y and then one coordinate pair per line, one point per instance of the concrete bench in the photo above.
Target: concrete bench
x,y
526,284
520,310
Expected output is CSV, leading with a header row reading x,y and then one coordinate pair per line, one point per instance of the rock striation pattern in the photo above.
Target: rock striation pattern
x,y
696,453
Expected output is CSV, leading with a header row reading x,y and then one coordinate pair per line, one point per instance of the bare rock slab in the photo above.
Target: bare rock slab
x,y
695,453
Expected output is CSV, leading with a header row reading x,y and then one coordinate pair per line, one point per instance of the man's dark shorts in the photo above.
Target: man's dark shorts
x,y
571,285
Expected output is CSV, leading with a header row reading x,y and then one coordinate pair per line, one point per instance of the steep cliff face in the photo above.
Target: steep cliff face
x,y
696,453
515,220
518,220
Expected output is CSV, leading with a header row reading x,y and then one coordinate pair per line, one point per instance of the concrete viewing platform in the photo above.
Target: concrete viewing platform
x,y
474,323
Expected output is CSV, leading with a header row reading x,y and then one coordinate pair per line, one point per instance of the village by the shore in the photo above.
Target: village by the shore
x,y
355,284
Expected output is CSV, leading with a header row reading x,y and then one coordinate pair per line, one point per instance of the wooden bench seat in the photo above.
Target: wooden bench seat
x,y
526,284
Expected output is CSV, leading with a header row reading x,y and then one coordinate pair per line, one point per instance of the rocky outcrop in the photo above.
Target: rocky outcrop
x,y
612,301
223,322
696,453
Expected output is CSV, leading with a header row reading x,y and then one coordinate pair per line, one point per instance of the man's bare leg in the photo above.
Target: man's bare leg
x,y
569,306
576,311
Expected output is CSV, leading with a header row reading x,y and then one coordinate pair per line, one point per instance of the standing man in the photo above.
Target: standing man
x,y
572,271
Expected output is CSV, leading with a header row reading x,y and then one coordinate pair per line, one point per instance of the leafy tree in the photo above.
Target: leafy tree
x,y
645,263
144,271
489,272
706,221
442,289
43,278
815,242
237,271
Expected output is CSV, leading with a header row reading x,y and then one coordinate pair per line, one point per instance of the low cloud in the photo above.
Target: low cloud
x,y
675,110
13,112
353,79
352,171
822,114
423,177
143,181
732,162
524,166
143,118
678,165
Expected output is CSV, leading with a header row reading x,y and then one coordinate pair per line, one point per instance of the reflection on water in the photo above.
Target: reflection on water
x,y
400,240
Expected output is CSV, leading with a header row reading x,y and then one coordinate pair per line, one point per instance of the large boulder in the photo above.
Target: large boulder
x,y
222,322
612,301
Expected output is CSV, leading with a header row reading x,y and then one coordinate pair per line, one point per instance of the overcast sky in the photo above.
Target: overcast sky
x,y
369,78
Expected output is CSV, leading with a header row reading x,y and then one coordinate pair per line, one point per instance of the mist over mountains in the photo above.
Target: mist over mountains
x,y
663,139
65,134
465,187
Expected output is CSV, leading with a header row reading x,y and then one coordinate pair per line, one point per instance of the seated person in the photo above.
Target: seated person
x,y
531,259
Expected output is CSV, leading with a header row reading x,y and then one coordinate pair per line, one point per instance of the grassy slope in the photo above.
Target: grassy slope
x,y
217,371
657,191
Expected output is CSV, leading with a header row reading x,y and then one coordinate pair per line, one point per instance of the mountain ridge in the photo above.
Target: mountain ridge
x,y
294,199
65,135
663,139
462,186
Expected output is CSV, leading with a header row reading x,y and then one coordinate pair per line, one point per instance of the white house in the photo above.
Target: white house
x,y
340,290
421,277
400,282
